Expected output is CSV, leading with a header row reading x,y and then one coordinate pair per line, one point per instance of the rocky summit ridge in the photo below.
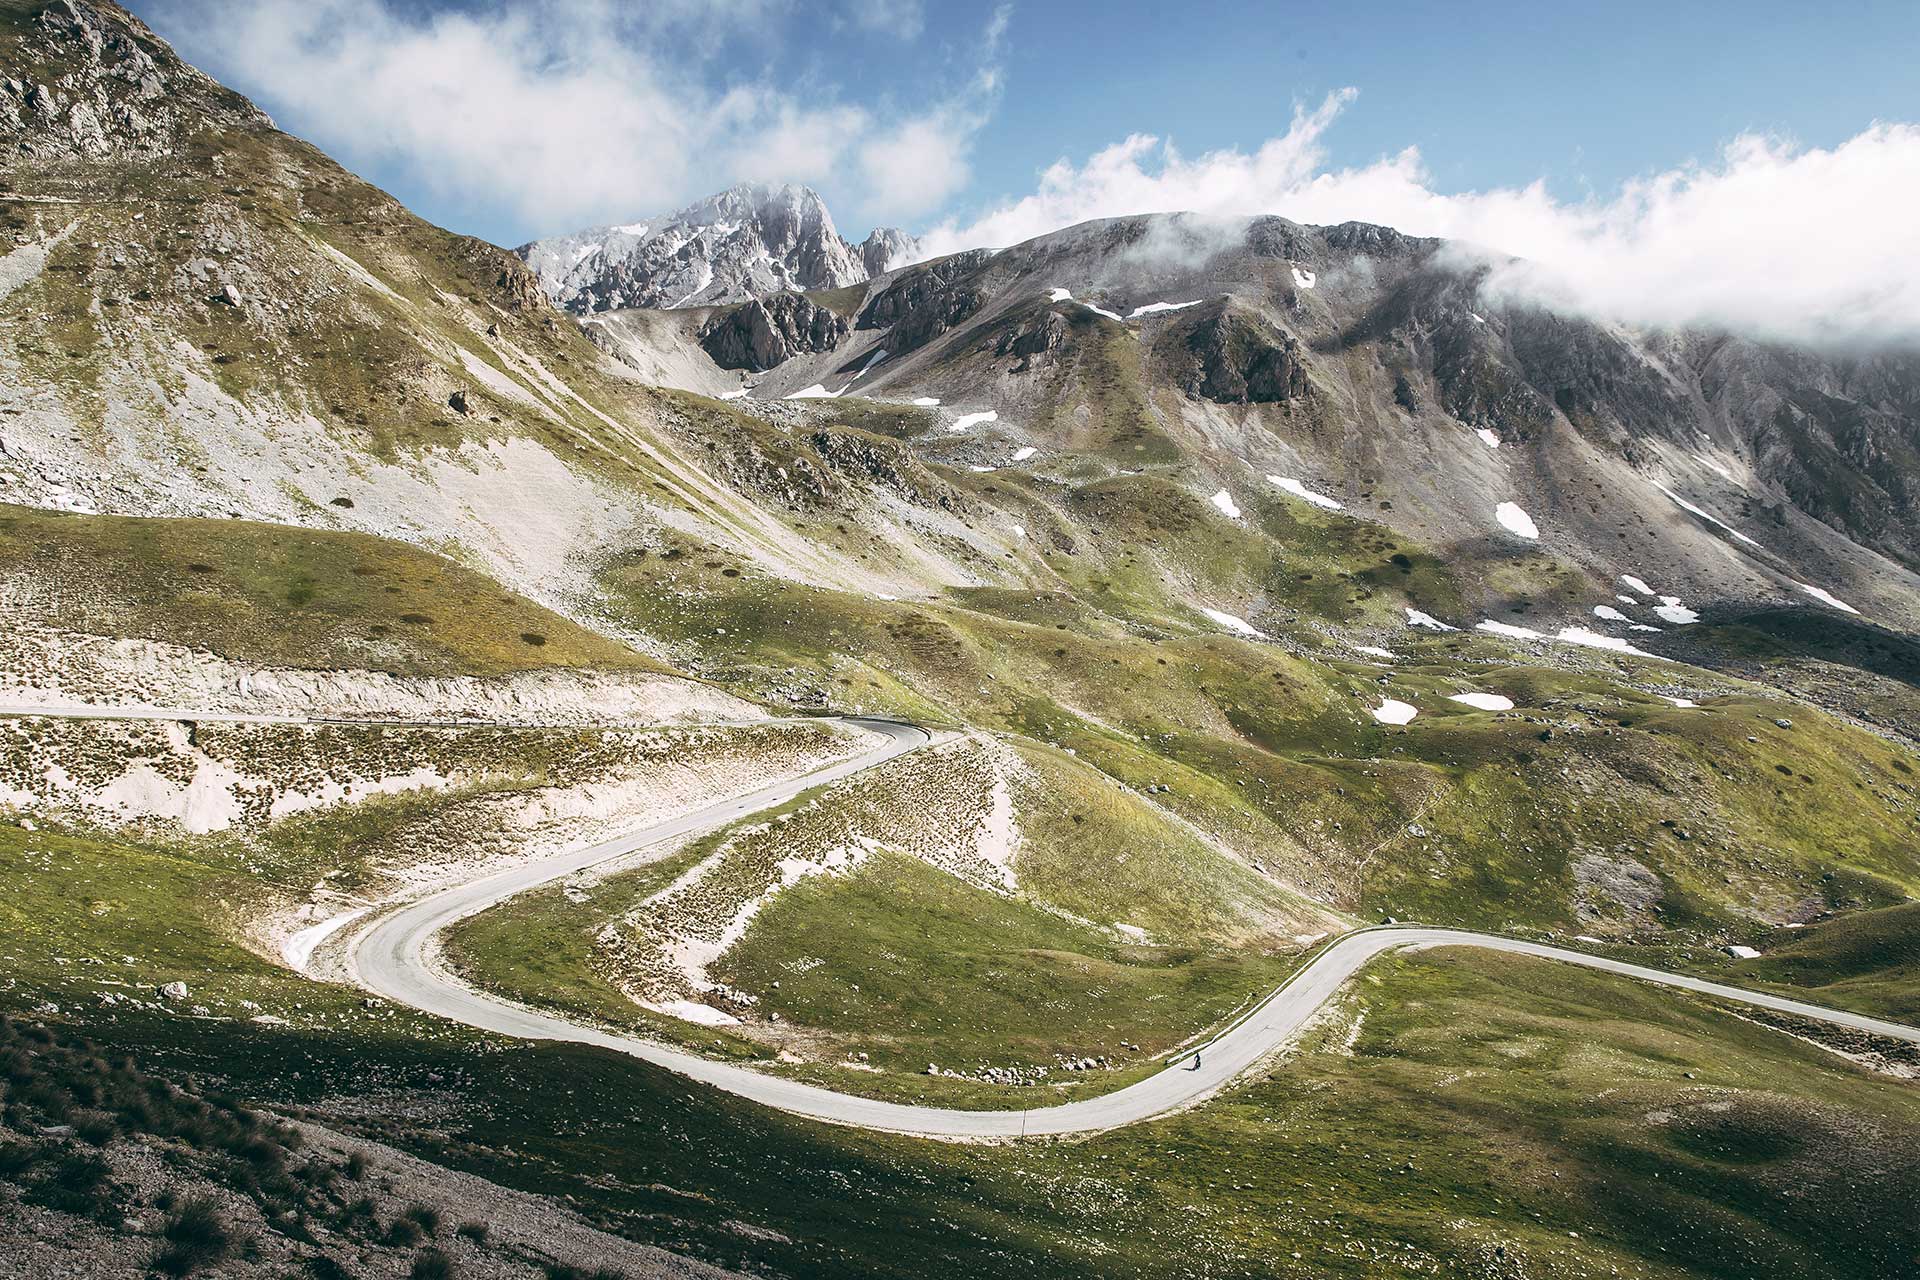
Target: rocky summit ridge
x,y
749,241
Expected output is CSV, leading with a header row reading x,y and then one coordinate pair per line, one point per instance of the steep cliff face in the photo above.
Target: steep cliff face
x,y
89,82
757,335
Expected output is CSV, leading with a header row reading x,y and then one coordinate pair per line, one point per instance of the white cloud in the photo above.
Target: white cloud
x,y
902,18
917,165
921,162
1769,237
556,114
564,113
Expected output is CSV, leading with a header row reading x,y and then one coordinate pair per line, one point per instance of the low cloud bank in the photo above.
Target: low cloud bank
x,y
1782,241
560,113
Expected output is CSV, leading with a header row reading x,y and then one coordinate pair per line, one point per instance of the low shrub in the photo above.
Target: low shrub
x,y
431,1264
196,1236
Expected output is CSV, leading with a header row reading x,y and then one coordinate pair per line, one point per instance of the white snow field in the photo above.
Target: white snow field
x,y
1155,308
1305,494
1515,521
966,420
1232,623
1827,597
1709,517
1394,711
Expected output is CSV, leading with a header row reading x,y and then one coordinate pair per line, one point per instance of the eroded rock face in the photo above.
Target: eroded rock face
x,y
750,241
1272,237
927,301
87,82
1240,360
762,334
869,459
1035,341
885,247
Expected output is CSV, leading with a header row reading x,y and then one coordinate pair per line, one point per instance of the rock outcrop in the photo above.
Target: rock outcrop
x,y
1240,360
760,334
925,302
92,81
749,241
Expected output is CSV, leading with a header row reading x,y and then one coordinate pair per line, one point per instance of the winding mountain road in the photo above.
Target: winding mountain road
x,y
394,957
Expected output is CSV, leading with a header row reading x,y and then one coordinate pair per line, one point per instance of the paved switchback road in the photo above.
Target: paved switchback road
x,y
394,958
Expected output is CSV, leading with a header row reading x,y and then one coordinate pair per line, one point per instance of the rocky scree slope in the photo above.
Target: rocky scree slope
x,y
748,241
1375,370
236,325
201,316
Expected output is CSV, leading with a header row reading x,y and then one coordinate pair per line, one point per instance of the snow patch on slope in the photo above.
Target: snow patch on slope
x,y
1516,521
1415,618
1671,610
1827,598
1305,494
1155,308
1232,623
1394,711
1483,701
1709,517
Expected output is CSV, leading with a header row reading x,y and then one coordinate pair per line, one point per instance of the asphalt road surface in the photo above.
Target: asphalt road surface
x,y
394,957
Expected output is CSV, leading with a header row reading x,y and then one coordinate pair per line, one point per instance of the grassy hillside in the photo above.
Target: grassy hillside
x,y
1466,1115
1868,961
1593,806
1126,935
282,596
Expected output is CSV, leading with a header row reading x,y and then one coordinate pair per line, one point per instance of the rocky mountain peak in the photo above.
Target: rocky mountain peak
x,y
91,80
752,240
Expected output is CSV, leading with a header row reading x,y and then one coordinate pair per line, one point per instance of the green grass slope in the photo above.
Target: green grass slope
x,y
1593,806
282,596
1127,936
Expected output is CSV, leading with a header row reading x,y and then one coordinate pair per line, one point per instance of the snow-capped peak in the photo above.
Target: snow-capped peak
x,y
751,240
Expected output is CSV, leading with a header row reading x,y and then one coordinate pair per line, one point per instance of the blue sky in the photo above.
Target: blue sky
x,y
1582,96
1668,163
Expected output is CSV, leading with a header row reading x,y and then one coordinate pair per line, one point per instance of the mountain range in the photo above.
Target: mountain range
x,y
1250,582
744,242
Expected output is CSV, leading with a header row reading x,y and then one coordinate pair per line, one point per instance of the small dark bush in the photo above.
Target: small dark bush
x,y
95,1127
474,1231
48,1099
356,1166
403,1231
196,1236
358,1211
76,1182
16,1158
426,1216
431,1264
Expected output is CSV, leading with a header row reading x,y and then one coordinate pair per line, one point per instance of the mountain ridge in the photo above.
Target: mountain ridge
x,y
1266,580
748,241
